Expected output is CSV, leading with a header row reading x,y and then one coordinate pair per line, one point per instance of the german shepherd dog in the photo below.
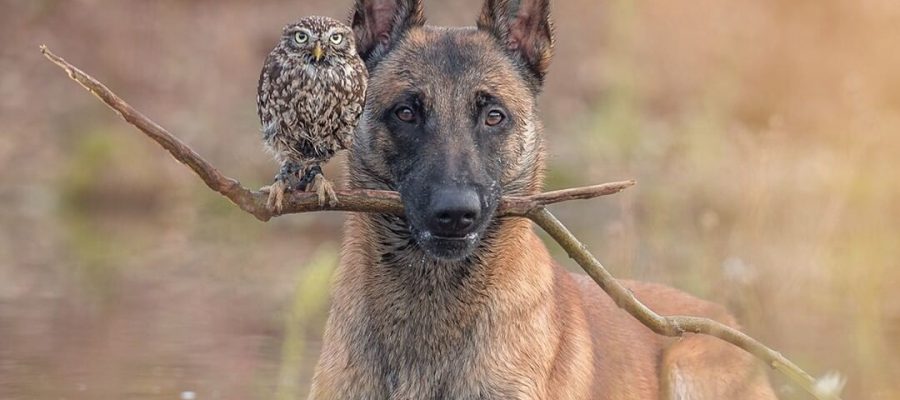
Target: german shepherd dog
x,y
452,302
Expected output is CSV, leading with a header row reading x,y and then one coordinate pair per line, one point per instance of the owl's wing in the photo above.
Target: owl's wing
x,y
266,90
356,101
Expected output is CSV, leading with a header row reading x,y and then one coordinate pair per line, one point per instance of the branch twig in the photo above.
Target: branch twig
x,y
373,201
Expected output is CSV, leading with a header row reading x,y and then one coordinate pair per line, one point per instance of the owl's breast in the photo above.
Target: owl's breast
x,y
313,109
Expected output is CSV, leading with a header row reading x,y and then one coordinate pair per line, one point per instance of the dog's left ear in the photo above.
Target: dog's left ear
x,y
524,28
380,24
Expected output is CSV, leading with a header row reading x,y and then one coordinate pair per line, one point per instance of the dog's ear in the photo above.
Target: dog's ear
x,y
379,24
524,28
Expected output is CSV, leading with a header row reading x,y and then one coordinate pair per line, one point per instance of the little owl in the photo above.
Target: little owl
x,y
311,92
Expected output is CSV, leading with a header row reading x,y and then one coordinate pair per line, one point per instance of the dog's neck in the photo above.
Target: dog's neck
x,y
398,275
394,253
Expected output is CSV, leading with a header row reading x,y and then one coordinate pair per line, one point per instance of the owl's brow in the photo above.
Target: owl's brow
x,y
296,28
331,31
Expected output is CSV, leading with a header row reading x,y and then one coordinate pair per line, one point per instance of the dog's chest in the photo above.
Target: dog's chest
x,y
444,367
441,347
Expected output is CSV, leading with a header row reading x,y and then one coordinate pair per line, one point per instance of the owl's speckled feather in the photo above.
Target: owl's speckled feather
x,y
309,108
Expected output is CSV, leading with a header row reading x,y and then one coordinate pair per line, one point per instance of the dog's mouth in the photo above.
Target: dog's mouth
x,y
448,224
448,248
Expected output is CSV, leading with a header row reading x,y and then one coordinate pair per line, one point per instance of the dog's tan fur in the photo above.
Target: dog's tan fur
x,y
507,323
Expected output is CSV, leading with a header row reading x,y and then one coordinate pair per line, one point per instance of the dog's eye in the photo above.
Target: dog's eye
x,y
405,114
494,118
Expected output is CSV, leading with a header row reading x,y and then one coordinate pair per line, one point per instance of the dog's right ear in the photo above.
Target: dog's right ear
x,y
524,28
379,24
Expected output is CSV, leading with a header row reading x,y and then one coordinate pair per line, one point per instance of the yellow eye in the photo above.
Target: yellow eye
x,y
337,38
301,37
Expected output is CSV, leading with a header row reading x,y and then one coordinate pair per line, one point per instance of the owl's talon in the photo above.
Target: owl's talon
x,y
284,182
325,190
275,202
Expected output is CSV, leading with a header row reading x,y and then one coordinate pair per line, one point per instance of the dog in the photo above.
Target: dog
x,y
453,302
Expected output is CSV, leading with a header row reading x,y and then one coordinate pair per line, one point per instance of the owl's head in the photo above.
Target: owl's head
x,y
318,39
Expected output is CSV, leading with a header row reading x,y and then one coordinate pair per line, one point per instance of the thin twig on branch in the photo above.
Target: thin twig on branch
x,y
374,201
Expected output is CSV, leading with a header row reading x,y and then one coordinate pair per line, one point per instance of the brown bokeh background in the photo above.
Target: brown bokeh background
x,y
763,133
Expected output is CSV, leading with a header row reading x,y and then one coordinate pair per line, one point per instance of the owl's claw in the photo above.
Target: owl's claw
x,y
275,202
314,181
324,189
284,182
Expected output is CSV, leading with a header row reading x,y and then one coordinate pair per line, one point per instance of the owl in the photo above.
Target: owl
x,y
311,93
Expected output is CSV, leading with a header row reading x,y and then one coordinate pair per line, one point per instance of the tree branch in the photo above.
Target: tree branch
x,y
254,202
374,201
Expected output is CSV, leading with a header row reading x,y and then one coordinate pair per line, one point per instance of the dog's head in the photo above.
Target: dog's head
x,y
450,119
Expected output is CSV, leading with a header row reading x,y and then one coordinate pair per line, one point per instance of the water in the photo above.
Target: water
x,y
143,347
148,309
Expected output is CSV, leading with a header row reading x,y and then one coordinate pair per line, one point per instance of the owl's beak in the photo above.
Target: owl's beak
x,y
318,52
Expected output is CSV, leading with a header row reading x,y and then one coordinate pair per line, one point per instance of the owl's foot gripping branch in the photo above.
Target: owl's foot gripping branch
x,y
373,201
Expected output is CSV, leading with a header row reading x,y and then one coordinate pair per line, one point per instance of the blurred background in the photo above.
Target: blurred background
x,y
763,134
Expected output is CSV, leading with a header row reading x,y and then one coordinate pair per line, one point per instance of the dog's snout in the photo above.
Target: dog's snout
x,y
454,212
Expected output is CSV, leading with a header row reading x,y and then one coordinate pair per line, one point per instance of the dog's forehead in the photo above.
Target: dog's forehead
x,y
435,60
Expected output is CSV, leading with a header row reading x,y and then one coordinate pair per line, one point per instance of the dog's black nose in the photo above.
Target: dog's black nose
x,y
454,212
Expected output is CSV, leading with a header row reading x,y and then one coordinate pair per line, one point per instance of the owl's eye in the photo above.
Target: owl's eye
x,y
301,37
406,114
337,38
494,118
